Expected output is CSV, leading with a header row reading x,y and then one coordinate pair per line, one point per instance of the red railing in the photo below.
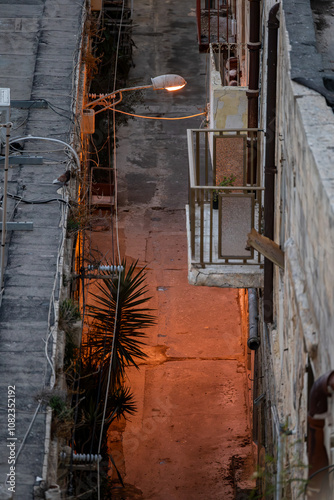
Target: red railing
x,y
198,15
211,32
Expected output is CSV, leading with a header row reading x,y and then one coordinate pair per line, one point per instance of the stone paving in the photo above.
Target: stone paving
x,y
191,391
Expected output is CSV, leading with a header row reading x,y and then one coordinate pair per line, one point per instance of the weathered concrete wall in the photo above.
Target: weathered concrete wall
x,y
228,105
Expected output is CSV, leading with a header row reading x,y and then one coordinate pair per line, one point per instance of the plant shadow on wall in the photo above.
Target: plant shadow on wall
x,y
117,318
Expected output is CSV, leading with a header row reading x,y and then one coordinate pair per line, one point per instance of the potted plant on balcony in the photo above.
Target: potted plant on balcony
x,y
228,180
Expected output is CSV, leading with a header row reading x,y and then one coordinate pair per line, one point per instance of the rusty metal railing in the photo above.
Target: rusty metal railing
x,y
223,206
210,28
232,62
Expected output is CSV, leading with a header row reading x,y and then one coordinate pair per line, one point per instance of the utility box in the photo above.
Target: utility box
x,y
4,111
96,5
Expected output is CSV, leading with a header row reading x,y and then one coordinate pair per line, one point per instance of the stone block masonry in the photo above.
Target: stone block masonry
x,y
302,331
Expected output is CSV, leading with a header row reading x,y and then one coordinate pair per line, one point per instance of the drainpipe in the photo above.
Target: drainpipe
x,y
316,450
270,168
252,93
199,28
227,7
253,341
253,46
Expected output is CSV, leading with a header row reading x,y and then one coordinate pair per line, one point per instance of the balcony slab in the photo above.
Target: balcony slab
x,y
219,274
242,276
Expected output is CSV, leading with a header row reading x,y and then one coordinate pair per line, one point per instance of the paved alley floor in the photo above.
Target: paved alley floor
x,y
190,438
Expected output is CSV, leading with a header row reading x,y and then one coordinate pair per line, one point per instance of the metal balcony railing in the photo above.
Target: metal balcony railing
x,y
231,61
225,196
214,24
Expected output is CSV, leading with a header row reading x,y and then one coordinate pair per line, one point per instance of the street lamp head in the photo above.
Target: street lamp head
x,y
168,82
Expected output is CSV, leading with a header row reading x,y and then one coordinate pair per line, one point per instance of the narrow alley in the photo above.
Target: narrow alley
x,y
165,164
191,429
190,437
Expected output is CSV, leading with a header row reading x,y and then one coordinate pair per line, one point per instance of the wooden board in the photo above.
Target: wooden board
x,y
266,247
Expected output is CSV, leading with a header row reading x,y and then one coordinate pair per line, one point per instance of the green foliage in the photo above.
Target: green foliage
x,y
70,350
60,408
106,49
120,403
228,180
119,319
69,313
73,225
266,477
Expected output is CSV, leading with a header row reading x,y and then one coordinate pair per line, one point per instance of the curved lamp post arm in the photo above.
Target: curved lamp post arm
x,y
163,82
105,104
101,100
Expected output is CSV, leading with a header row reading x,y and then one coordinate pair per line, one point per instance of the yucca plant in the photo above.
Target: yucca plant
x,y
119,318
120,403
69,313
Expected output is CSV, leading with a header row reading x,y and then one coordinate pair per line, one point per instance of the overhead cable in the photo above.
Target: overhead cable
x,y
36,202
160,117
51,139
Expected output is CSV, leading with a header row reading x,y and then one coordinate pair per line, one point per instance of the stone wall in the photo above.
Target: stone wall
x,y
305,211
302,332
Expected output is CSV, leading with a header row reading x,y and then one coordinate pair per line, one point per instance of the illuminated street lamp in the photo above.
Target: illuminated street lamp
x,y
168,82
162,82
